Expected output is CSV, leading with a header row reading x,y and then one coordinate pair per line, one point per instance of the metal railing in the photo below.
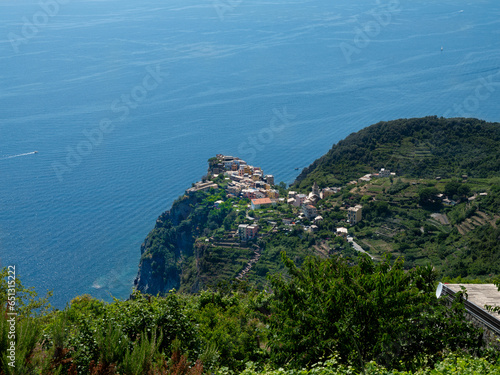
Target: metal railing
x,y
481,315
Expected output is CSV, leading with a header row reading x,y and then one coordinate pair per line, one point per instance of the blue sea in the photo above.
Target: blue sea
x,y
125,101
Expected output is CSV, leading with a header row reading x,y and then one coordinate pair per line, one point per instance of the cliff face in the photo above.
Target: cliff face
x,y
165,246
152,282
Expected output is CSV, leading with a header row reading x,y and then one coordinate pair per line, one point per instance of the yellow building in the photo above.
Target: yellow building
x,y
354,214
272,193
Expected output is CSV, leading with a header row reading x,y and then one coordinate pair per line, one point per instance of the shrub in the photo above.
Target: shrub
x,y
367,312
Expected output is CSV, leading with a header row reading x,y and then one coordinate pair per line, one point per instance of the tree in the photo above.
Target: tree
x,y
427,195
27,301
364,312
451,188
463,190
282,189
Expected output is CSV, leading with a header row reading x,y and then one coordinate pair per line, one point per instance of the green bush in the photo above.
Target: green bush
x,y
367,312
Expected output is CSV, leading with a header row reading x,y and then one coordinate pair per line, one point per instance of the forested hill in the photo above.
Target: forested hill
x,y
420,147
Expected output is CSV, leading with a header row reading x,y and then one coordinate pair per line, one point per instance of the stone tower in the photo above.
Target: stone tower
x,y
315,189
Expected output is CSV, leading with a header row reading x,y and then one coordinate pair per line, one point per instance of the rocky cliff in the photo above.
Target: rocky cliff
x,y
165,247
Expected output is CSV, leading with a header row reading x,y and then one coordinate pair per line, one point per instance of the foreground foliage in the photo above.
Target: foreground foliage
x,y
365,313
365,318
452,364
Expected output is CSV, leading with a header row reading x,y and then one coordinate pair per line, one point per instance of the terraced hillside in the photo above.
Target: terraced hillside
x,y
424,147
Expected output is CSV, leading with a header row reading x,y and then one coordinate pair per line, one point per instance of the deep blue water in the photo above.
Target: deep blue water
x,y
229,69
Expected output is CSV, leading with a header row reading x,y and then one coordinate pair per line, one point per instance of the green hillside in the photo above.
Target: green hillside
x,y
195,246
404,214
300,297
424,148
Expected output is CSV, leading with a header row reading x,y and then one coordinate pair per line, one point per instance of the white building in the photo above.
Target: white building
x,y
258,203
384,173
342,232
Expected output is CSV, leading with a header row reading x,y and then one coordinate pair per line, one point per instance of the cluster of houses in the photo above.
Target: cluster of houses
x,y
309,202
250,182
245,180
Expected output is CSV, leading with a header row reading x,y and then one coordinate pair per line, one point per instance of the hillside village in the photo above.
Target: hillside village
x,y
338,212
244,181
240,229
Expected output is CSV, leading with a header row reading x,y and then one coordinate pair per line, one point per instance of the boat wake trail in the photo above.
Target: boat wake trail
x,y
16,156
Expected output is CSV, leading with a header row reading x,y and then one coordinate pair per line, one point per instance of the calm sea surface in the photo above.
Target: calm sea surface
x,y
172,83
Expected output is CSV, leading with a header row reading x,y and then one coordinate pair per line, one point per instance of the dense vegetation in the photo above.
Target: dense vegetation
x,y
424,147
328,317
194,245
298,300
459,240
365,313
176,246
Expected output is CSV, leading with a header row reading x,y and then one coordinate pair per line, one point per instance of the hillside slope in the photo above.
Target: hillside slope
x,y
196,245
442,204
420,147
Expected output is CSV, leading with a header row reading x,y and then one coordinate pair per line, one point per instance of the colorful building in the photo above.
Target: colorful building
x,y
259,203
247,231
